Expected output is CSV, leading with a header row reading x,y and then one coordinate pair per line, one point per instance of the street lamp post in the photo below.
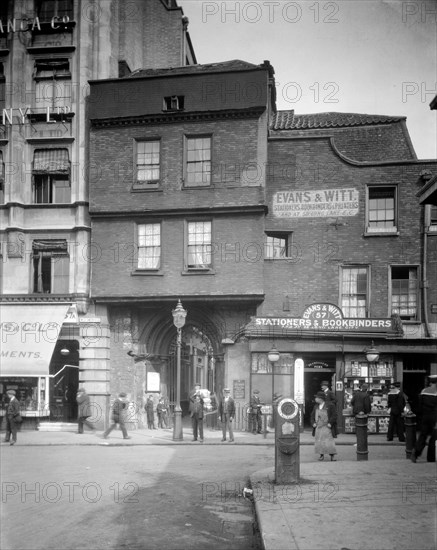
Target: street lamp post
x,y
372,355
273,357
179,315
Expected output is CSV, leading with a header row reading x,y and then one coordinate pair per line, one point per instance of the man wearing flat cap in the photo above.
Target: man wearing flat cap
x,y
428,412
396,402
118,416
12,418
84,410
227,413
255,416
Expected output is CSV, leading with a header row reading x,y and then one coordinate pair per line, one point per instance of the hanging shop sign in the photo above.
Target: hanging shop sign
x,y
321,203
321,318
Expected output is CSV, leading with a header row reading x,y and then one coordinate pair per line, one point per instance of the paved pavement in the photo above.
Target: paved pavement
x,y
342,505
165,436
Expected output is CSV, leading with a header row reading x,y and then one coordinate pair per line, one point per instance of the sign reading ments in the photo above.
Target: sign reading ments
x,y
324,317
316,204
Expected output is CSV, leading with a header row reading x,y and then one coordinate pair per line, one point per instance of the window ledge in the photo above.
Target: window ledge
x,y
154,189
203,186
199,271
394,233
147,272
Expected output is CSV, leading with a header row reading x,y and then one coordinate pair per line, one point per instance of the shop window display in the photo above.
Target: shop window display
x,y
26,389
378,377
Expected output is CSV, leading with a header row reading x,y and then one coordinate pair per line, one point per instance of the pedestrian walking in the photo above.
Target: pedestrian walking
x,y
161,411
197,413
255,416
322,417
117,416
361,402
330,398
428,419
149,413
84,410
13,418
227,414
396,402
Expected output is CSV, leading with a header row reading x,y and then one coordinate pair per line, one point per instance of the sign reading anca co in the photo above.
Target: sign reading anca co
x,y
324,317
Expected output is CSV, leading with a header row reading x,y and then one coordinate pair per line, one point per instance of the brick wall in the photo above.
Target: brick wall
x,y
237,259
112,171
321,246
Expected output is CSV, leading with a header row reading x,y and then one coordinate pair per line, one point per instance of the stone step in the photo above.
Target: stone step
x,y
57,427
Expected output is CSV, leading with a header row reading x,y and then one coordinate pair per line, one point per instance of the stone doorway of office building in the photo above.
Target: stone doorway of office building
x,y
313,379
64,381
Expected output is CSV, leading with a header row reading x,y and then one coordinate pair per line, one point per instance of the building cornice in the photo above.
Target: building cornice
x,y
159,299
177,117
225,210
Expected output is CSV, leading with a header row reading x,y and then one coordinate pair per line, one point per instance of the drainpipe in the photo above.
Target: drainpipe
x,y
424,275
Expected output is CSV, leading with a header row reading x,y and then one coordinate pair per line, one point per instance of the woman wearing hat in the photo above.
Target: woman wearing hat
x,y
323,417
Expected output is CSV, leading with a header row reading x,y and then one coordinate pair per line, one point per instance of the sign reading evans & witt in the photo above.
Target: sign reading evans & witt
x,y
315,204
323,318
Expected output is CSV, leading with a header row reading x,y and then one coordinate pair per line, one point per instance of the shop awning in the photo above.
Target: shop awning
x,y
29,333
51,161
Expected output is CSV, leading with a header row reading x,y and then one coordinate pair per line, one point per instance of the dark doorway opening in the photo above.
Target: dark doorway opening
x,y
313,380
63,386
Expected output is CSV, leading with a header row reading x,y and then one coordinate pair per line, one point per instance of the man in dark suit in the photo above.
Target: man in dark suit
x,y
196,413
428,416
361,401
255,415
227,413
330,398
396,402
118,416
12,418
84,410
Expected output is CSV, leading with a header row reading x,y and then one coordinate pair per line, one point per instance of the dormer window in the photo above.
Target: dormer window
x,y
173,103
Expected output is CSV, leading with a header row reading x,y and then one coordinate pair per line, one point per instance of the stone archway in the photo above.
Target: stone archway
x,y
201,353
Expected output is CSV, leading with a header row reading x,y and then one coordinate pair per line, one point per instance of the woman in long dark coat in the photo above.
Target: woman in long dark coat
x,y
323,418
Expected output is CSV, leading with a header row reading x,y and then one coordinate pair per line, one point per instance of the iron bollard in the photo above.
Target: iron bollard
x,y
410,433
361,430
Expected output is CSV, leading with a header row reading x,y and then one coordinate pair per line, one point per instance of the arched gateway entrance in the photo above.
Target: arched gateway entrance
x,y
201,354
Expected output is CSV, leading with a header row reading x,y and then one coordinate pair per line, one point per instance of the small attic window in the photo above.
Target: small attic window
x,y
173,103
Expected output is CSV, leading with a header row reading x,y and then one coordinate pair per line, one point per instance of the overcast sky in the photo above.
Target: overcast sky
x,y
362,56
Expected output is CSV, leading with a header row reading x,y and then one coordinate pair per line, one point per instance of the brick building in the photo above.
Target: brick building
x,y
48,52
301,232
178,207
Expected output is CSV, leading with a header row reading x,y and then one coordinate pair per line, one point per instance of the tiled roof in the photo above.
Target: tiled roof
x,y
287,120
224,66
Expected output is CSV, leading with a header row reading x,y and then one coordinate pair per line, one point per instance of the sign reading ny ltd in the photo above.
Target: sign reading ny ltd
x,y
20,115
315,204
325,317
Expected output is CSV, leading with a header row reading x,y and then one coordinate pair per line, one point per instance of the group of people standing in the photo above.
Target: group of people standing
x,y
323,416
226,412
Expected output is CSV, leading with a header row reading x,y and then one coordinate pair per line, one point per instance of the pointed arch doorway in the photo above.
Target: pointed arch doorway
x,y
199,364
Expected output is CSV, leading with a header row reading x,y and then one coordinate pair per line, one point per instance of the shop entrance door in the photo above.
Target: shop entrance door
x,y
313,380
63,386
